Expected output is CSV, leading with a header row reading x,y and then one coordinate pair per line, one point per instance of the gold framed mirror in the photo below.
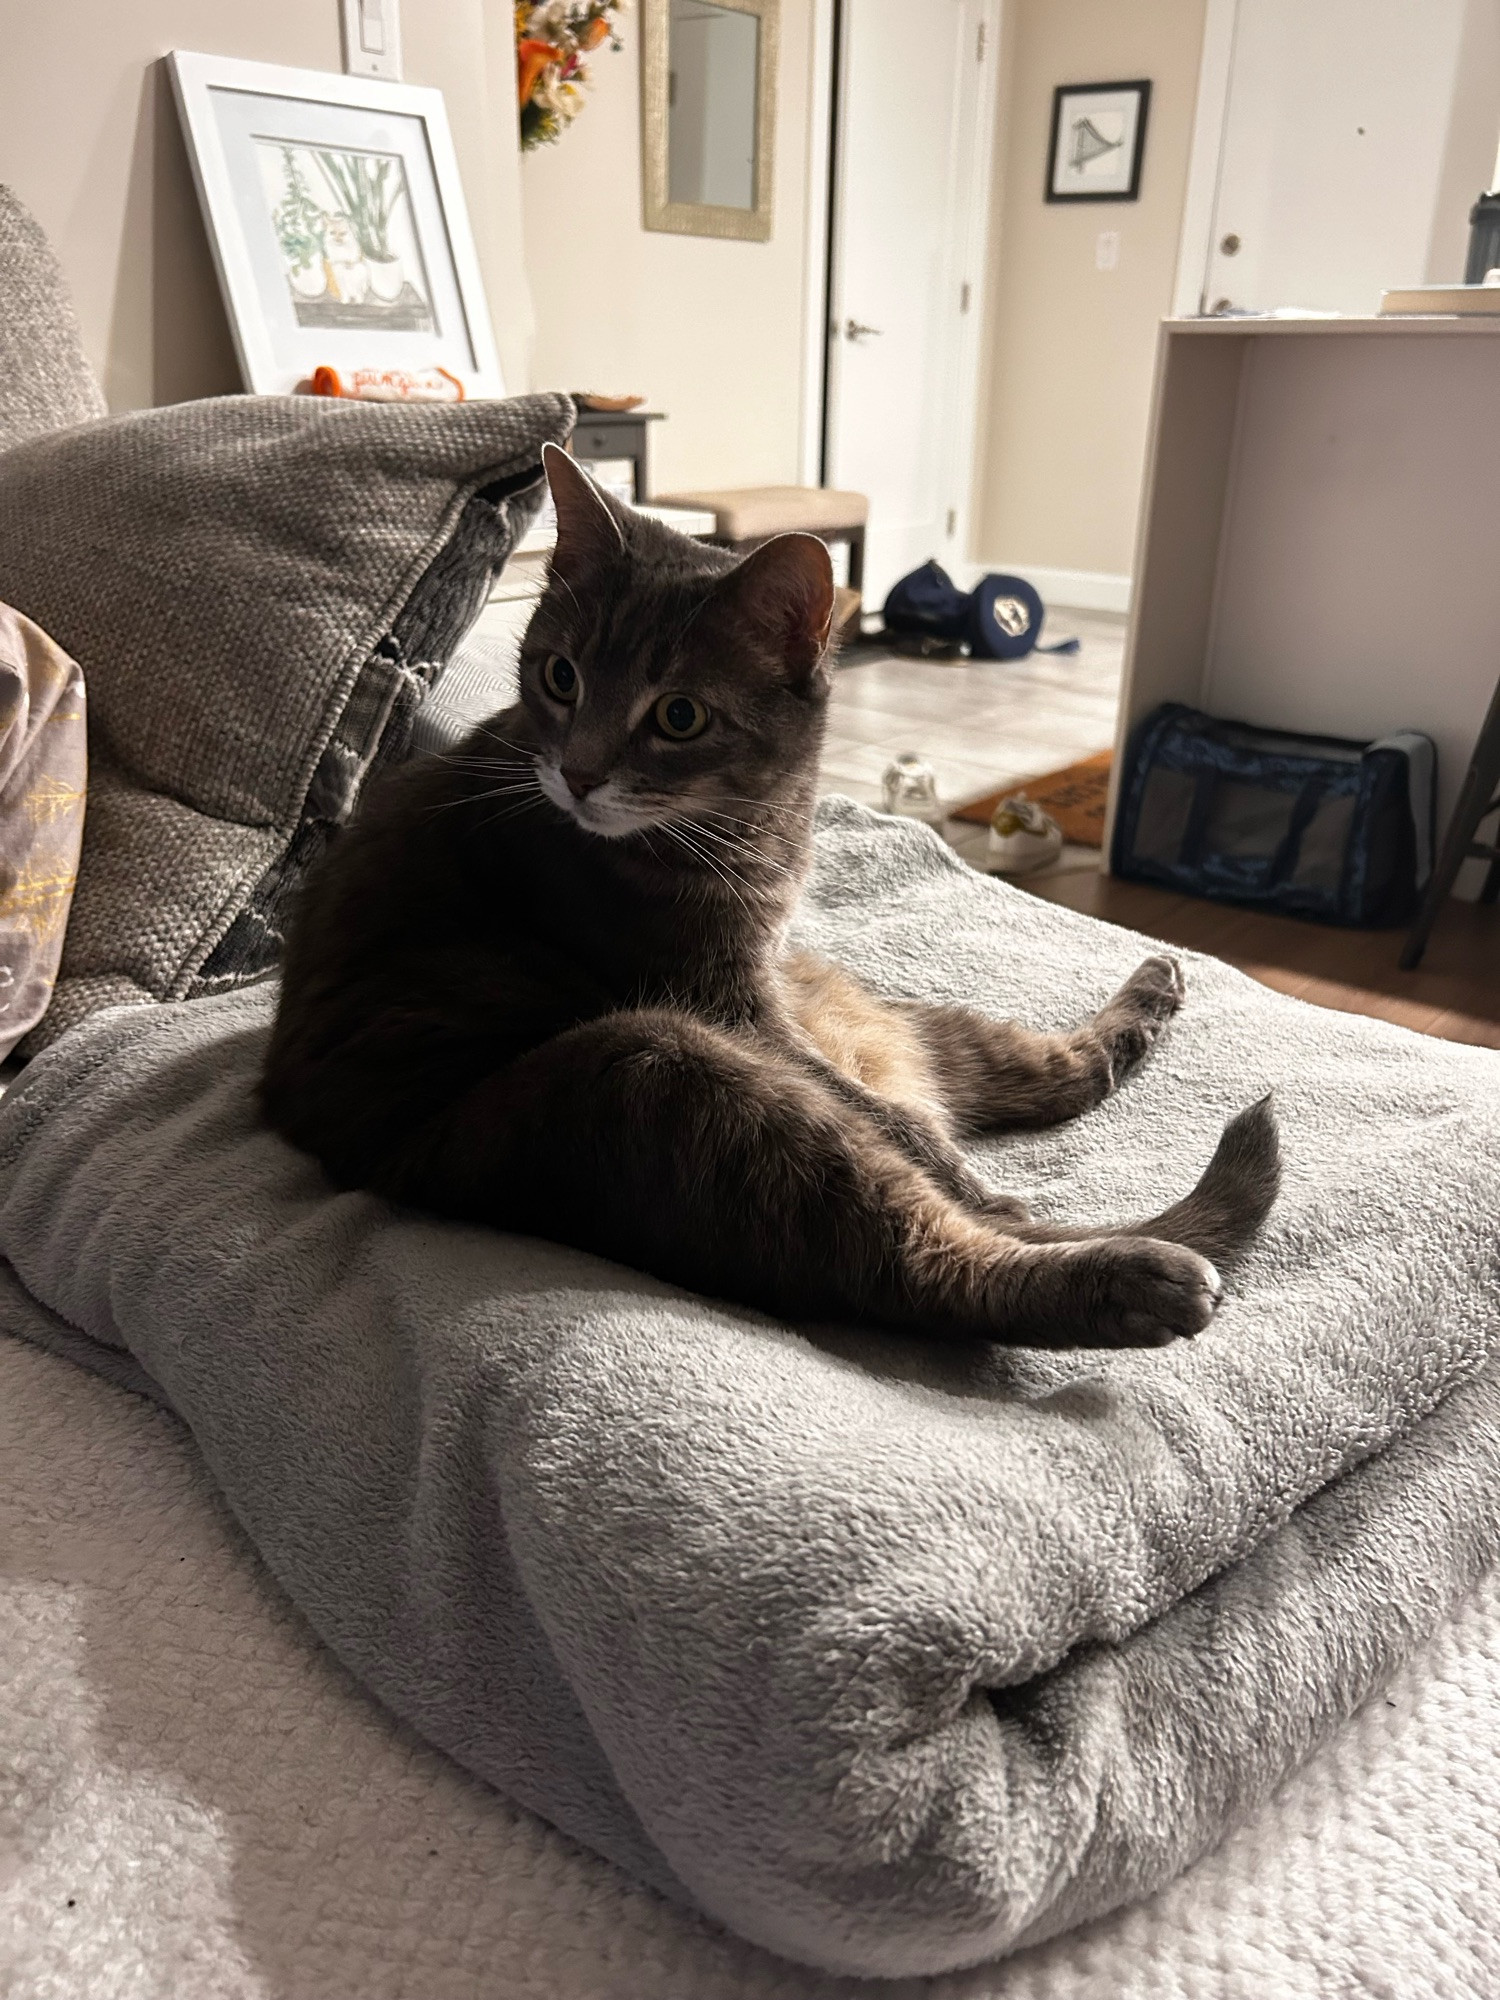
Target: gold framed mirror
x,y
708,115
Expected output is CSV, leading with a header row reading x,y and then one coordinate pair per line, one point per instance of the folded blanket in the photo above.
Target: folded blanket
x,y
890,1658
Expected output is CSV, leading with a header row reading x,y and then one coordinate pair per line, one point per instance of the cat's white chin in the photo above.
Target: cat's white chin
x,y
602,812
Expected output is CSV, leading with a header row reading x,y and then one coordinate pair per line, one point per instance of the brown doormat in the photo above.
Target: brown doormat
x,y
1075,797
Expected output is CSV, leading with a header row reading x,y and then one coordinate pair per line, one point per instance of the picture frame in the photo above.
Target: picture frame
x,y
667,102
336,217
1098,141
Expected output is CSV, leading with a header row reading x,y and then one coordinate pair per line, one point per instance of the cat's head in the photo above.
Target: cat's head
x,y
666,681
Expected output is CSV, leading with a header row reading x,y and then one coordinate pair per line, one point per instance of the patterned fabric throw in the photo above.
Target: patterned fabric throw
x,y
43,780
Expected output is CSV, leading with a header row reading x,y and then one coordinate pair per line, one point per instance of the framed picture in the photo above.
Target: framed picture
x,y
337,221
1098,138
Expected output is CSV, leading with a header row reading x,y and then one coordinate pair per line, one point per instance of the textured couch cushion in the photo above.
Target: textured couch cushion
x,y
45,383
259,591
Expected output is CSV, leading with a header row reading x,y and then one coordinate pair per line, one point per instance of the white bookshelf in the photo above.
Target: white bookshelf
x,y
1319,541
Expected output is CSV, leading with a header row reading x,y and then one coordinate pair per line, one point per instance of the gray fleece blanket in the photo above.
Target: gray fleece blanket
x,y
890,1658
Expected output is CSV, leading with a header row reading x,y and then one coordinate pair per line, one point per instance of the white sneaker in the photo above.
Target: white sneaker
x,y
909,789
1022,837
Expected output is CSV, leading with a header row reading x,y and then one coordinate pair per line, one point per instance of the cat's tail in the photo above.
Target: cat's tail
x,y
1223,1214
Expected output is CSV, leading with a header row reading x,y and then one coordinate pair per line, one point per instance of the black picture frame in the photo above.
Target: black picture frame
x,y
1134,144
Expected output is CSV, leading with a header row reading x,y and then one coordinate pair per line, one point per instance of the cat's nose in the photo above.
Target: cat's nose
x,y
581,783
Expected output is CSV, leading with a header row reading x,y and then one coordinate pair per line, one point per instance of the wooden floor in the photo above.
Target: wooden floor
x,y
987,723
979,723
1454,993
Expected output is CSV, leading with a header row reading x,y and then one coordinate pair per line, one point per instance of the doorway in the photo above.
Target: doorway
x,y
910,149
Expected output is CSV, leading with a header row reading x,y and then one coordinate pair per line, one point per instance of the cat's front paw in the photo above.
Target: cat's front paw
x,y
1132,1021
1137,1292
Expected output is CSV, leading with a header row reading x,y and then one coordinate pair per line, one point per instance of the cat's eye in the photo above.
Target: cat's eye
x,y
560,678
680,716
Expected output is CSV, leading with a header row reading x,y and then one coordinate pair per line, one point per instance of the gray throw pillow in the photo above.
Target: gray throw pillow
x,y
45,382
260,590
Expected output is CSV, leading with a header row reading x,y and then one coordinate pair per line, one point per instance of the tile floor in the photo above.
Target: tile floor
x,y
979,723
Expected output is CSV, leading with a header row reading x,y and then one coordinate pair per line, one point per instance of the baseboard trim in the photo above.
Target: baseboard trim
x,y
1076,589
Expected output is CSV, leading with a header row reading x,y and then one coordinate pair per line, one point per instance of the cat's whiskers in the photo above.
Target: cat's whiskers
x,y
724,864
732,855
740,848
520,749
796,820
510,788
747,841
513,811
674,829
745,827
762,805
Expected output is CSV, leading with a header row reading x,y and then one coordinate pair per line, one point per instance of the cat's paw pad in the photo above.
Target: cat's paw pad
x,y
1140,1293
1155,989
1133,1020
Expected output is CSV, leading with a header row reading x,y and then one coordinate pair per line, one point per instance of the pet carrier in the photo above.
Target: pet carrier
x,y
1315,826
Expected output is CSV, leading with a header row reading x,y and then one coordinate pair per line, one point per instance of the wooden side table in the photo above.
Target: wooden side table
x,y
617,434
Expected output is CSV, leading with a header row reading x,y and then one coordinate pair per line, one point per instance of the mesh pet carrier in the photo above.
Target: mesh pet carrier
x,y
1311,825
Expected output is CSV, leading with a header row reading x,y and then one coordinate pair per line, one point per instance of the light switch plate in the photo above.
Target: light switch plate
x,y
1107,250
372,38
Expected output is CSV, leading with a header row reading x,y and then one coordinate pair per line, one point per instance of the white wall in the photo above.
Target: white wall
x,y
89,140
1327,216
708,329
1066,400
1358,134
1473,138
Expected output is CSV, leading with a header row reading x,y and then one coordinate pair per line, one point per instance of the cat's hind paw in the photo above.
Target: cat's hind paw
x,y
1130,1023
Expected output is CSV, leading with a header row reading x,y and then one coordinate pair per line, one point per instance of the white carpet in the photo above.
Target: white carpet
x,y
197,1803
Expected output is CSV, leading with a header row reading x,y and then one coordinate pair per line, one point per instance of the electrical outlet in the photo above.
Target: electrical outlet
x,y
1107,250
372,38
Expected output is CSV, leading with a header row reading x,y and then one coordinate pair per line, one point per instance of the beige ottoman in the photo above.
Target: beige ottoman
x,y
749,515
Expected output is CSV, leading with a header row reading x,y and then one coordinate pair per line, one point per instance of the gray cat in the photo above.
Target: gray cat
x,y
541,984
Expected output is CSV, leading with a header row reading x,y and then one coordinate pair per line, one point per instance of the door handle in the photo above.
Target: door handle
x,y
854,331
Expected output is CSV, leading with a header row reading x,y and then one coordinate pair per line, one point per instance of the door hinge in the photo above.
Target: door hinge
x,y
963,296
952,520
979,42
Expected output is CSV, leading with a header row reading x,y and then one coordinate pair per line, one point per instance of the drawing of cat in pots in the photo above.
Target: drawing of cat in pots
x,y
348,274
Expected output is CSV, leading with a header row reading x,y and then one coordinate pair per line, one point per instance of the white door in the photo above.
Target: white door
x,y
914,128
1344,165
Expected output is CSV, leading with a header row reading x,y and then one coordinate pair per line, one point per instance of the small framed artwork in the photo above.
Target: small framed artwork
x,y
1098,139
337,222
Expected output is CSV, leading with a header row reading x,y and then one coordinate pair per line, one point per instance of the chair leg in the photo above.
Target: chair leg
x,y
1490,893
857,560
1475,801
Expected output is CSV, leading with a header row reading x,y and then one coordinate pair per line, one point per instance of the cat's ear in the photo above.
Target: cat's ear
x,y
589,531
783,592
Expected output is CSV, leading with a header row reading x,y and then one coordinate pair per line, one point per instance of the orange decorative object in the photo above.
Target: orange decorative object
x,y
532,57
555,45
389,385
